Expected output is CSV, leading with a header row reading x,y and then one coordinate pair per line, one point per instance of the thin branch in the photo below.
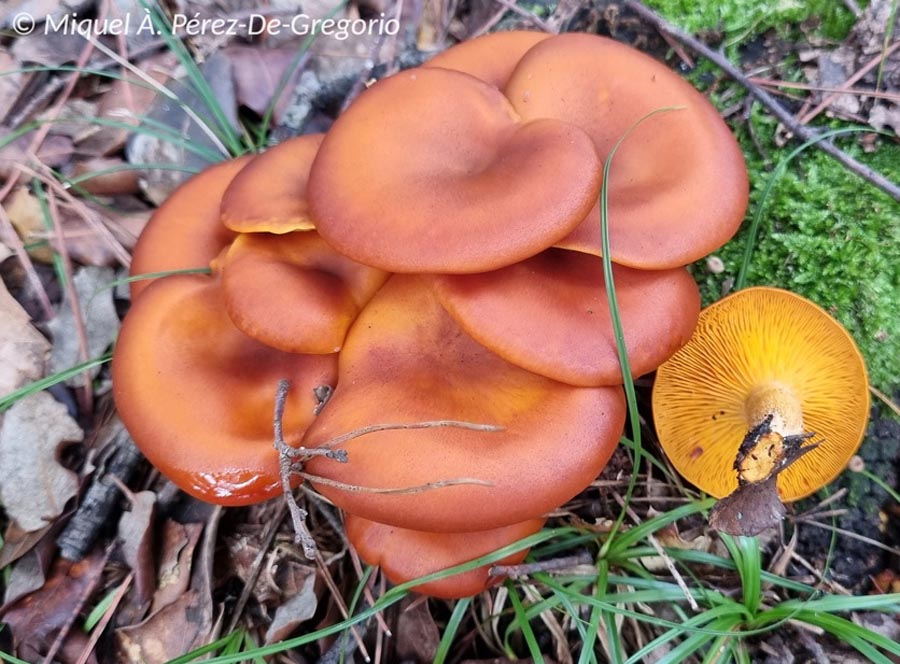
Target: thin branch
x,y
552,565
433,424
799,130
420,488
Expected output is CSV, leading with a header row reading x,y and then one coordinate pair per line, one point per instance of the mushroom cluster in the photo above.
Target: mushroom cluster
x,y
432,268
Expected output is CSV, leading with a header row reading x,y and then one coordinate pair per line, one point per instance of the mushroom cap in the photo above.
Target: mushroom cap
x,y
550,315
678,184
405,555
406,361
185,231
197,395
760,337
430,170
490,58
269,195
294,292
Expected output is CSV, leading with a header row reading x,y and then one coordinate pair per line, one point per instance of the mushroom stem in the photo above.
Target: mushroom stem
x,y
780,401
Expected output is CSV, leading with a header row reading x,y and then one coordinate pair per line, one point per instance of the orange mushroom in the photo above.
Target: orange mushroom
x,y
406,361
678,187
185,231
762,355
405,555
196,394
430,170
293,292
490,58
269,195
549,314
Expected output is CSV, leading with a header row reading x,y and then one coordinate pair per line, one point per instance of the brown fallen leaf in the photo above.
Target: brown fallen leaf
x,y
98,314
23,350
127,99
29,572
99,182
174,630
295,611
54,152
136,537
34,487
258,73
178,542
418,636
35,620
10,83
144,148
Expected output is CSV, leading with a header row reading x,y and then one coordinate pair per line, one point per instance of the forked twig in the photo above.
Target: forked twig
x,y
291,460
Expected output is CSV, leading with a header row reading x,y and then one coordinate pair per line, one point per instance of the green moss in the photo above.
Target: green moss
x,y
829,236
741,19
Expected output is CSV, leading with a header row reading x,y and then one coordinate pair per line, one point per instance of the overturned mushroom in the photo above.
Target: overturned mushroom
x,y
762,354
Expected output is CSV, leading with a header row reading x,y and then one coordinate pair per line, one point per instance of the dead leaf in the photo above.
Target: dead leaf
x,y
36,619
34,488
136,537
100,183
144,148
98,312
18,542
176,629
23,350
257,77
29,572
295,611
53,50
27,217
10,83
54,152
179,540
39,9
418,637
127,99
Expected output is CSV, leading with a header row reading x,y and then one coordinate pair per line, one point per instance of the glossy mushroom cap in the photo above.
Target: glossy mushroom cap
x,y
431,170
185,231
269,195
406,361
405,555
490,58
550,315
197,395
760,351
293,292
678,185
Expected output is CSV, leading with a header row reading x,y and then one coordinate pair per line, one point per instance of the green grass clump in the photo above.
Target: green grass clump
x,y
830,236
